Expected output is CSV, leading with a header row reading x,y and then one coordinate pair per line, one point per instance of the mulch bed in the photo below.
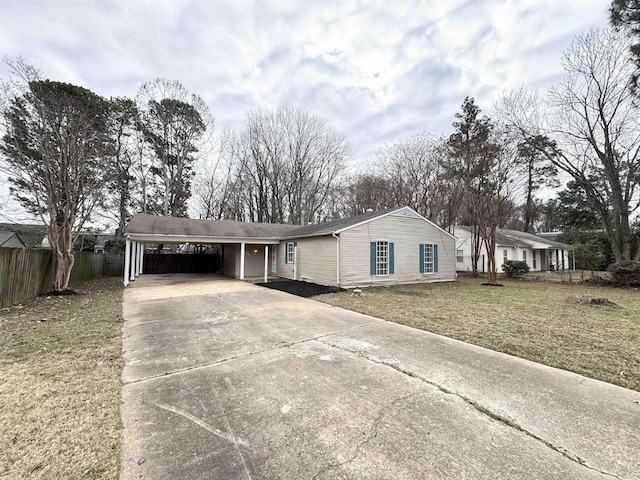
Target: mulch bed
x,y
301,289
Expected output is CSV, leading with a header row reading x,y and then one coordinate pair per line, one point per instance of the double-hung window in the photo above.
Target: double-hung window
x,y
290,255
382,258
428,258
505,256
524,256
459,256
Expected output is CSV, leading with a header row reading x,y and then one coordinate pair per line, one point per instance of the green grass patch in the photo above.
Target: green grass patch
x,y
60,371
538,321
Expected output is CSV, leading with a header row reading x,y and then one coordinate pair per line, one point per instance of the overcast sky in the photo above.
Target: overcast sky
x,y
377,71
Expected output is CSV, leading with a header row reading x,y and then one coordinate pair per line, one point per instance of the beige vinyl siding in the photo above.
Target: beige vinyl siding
x,y
316,257
231,260
317,260
406,234
253,260
284,270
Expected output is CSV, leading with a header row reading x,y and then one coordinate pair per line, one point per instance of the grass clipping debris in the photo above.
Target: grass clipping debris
x,y
591,330
60,364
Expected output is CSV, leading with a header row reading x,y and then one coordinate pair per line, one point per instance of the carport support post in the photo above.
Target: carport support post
x,y
266,262
134,245
127,260
242,248
141,259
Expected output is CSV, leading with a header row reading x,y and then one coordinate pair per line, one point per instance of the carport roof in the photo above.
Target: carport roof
x,y
157,225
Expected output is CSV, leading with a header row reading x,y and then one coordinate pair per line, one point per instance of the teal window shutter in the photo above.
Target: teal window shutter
x,y
390,258
286,253
422,258
435,258
373,258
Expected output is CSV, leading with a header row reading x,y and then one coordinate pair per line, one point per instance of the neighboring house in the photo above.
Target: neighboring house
x,y
30,234
541,254
11,240
390,247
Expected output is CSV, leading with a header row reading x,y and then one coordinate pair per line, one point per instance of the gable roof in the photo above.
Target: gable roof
x,y
524,236
158,225
342,224
6,237
515,238
30,234
501,239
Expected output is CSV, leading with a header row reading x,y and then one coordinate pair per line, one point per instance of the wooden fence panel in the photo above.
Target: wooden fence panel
x,y
22,274
180,263
86,266
27,273
112,264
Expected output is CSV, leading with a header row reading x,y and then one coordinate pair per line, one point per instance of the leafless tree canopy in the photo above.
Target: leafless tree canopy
x,y
588,127
282,167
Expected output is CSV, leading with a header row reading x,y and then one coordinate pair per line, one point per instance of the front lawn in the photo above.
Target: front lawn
x,y
544,322
60,377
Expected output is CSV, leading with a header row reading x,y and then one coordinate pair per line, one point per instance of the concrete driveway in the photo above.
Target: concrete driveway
x,y
228,380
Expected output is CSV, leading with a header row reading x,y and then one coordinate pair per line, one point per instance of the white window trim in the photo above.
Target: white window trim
x,y
432,264
290,255
459,255
387,259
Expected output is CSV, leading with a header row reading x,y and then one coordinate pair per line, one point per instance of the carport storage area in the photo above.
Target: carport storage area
x,y
226,379
246,249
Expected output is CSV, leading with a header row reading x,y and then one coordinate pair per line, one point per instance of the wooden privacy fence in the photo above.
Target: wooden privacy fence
x,y
27,273
180,263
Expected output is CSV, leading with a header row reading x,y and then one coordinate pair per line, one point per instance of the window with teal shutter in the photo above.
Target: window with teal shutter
x,y
289,255
381,261
428,258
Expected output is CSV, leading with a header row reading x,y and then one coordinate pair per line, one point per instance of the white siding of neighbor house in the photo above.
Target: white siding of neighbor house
x,y
316,257
406,233
543,255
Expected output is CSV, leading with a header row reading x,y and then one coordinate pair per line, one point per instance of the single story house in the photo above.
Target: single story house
x,y
393,246
541,254
11,240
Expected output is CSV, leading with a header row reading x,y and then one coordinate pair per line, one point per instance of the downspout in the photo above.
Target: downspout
x,y
295,260
337,237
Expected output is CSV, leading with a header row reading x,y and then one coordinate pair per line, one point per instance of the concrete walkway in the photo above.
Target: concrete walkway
x,y
228,380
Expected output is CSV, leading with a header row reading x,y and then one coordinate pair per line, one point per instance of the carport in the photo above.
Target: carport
x,y
245,245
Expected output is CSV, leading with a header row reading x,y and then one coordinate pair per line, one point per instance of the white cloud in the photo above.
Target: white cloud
x,y
377,70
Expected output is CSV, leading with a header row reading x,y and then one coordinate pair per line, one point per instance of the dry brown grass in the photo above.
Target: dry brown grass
x,y
533,320
60,365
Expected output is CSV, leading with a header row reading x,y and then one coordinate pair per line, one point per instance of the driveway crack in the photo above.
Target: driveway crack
x,y
475,405
276,346
373,434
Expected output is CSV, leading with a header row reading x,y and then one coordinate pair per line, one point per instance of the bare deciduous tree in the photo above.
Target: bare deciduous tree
x,y
283,167
588,127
